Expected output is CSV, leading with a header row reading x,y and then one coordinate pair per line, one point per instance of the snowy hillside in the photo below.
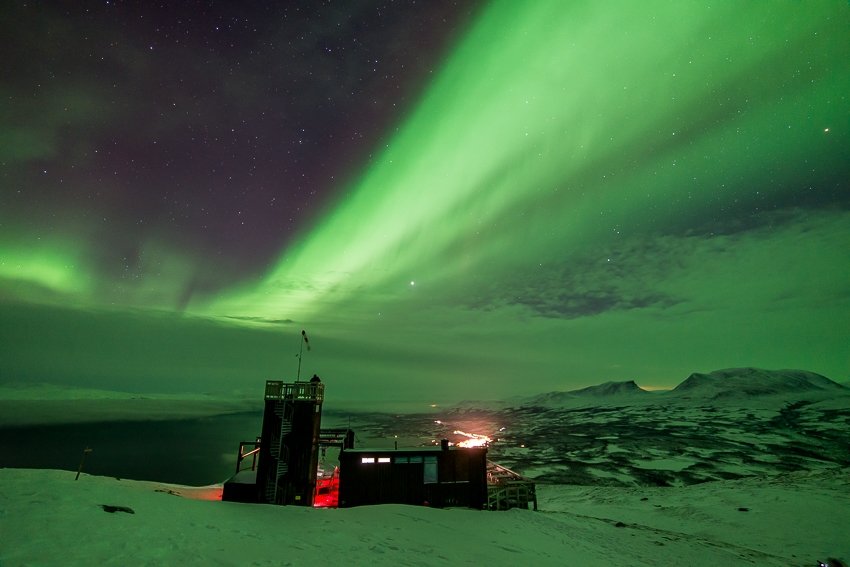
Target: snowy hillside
x,y
738,467
723,425
47,518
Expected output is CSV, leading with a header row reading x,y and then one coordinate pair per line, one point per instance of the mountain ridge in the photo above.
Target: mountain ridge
x,y
724,384
754,382
611,388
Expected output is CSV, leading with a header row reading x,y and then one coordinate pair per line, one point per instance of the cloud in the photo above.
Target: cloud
x,y
261,320
776,259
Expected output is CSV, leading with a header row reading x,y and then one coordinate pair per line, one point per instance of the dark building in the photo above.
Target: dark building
x,y
288,455
432,476
284,463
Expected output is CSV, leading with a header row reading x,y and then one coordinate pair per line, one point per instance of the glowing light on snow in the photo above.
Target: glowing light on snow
x,y
474,440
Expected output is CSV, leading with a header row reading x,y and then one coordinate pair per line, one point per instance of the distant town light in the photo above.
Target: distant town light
x,y
474,440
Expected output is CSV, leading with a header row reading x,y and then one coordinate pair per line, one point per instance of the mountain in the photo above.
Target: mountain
x,y
610,389
749,382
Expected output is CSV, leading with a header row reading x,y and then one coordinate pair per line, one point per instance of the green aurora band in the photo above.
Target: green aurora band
x,y
582,194
550,127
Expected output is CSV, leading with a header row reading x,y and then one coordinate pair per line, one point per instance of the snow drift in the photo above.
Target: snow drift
x,y
47,518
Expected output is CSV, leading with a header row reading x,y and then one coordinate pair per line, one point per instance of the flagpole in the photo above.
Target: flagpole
x,y
300,352
303,341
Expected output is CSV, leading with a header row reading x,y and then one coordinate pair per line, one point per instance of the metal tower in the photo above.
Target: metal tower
x,y
289,455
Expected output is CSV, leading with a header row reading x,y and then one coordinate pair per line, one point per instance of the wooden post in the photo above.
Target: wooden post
x,y
86,451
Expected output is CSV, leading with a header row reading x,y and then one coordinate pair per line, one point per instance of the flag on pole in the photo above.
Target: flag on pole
x,y
306,340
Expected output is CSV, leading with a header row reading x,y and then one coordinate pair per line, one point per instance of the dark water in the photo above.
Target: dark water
x,y
193,452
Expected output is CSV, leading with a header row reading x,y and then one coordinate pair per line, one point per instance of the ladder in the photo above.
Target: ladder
x,y
280,453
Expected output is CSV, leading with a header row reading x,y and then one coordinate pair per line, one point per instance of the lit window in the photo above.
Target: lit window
x,y
383,459
367,460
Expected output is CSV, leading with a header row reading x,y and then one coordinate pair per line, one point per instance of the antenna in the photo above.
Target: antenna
x,y
301,351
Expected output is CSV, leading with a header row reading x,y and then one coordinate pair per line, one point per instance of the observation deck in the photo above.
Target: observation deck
x,y
313,391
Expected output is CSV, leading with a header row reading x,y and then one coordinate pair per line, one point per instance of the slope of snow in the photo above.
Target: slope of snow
x,y
47,518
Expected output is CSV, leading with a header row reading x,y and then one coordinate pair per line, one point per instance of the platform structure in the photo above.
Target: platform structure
x,y
507,489
289,450
281,465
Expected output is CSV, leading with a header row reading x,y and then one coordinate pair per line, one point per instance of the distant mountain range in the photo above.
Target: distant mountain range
x,y
727,384
736,382
610,389
718,425
600,391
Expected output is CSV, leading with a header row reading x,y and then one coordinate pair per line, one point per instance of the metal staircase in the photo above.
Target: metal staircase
x,y
289,450
279,451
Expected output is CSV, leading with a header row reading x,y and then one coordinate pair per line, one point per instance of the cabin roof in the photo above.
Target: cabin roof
x,y
408,450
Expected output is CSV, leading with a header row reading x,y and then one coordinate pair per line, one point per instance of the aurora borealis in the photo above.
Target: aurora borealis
x,y
455,200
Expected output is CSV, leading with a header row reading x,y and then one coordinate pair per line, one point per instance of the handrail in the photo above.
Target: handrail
x,y
497,473
279,390
252,453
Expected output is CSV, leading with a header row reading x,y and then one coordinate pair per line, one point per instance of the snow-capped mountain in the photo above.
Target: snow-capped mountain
x,y
719,385
610,389
738,382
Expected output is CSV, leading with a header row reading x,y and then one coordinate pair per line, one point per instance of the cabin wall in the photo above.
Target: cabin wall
x,y
455,477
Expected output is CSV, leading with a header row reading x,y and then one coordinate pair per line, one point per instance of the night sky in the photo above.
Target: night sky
x,y
454,199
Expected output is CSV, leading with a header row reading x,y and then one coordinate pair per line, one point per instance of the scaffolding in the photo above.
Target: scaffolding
x,y
507,489
288,452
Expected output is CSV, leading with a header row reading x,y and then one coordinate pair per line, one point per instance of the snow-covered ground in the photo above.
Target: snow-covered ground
x,y
649,440
622,481
48,518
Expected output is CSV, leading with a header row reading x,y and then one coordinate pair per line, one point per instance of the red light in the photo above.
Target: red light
x,y
327,491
